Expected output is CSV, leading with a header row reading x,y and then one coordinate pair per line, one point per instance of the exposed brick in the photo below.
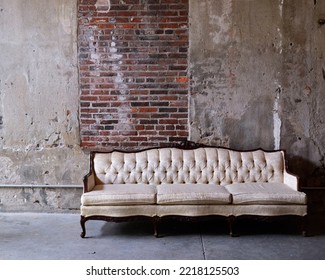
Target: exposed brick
x,y
133,72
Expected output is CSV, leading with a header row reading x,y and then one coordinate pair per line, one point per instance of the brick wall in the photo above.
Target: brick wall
x,y
133,72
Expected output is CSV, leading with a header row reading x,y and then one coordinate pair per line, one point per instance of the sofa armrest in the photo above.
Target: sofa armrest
x,y
291,180
89,182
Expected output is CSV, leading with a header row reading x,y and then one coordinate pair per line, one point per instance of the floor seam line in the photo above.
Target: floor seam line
x,y
203,247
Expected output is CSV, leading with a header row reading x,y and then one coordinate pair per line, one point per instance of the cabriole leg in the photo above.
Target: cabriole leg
x,y
231,222
304,225
83,227
155,225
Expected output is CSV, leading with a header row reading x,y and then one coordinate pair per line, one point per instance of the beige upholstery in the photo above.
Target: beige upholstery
x,y
265,193
290,180
193,210
178,194
117,194
162,182
119,211
269,210
176,166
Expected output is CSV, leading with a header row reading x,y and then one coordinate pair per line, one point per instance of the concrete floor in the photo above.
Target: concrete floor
x,y
57,237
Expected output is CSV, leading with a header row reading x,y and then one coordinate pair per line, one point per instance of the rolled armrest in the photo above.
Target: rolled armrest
x,y
89,182
291,181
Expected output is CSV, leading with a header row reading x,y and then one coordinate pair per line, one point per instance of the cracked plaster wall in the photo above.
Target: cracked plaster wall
x,y
39,98
257,79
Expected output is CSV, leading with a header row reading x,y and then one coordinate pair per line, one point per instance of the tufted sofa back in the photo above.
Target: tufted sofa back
x,y
202,165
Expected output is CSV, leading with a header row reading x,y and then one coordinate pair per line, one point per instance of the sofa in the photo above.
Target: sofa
x,y
189,181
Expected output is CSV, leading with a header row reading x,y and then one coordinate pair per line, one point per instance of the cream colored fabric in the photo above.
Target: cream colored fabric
x,y
231,210
269,210
193,210
126,184
265,193
290,180
192,194
203,166
120,194
119,211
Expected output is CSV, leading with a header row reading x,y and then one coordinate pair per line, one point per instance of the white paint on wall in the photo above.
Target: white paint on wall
x,y
281,7
120,83
279,45
103,5
276,117
222,23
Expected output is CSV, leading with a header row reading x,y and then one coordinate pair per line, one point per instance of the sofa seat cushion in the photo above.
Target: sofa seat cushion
x,y
120,194
265,193
176,194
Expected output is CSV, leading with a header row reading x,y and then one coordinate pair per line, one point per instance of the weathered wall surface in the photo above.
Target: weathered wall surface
x,y
257,78
39,99
40,199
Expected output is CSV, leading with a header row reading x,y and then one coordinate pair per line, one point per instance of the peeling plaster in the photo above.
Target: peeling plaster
x,y
124,121
39,137
222,23
276,115
257,79
279,45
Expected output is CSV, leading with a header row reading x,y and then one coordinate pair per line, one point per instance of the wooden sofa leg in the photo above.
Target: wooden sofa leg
x,y
304,225
83,227
231,222
155,222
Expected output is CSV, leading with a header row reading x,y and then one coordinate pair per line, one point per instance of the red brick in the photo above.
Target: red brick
x,y
133,73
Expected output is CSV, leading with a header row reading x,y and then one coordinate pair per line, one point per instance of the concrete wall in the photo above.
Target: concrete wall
x,y
39,98
257,78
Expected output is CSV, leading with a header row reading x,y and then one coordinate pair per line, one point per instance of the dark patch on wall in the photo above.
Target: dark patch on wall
x,y
254,129
29,174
